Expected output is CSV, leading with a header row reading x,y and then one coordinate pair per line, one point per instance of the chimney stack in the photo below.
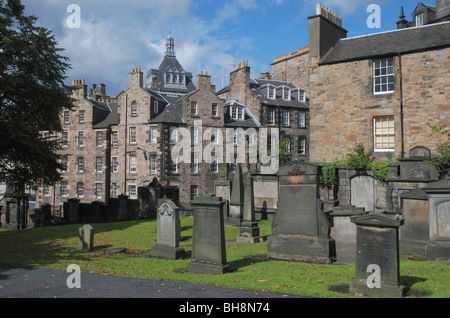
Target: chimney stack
x,y
136,78
325,30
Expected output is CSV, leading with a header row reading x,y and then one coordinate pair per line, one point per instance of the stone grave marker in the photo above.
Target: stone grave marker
x,y
86,238
438,249
300,230
415,233
208,243
377,256
237,198
168,230
249,230
345,232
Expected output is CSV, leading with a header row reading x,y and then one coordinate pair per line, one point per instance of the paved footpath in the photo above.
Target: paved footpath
x,y
24,282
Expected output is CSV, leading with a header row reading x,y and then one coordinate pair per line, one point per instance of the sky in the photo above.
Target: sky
x,y
114,36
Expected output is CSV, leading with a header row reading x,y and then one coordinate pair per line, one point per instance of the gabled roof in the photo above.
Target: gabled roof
x,y
260,86
170,115
403,41
249,120
105,114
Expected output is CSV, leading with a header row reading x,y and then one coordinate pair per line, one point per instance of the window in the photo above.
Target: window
x,y
301,95
194,191
153,164
194,163
156,107
214,110
174,166
98,190
46,190
286,93
66,117
384,133
237,113
271,92
286,118
64,161
134,109
80,189
115,164
214,167
173,134
133,164
301,145
80,164
114,190
194,135
214,136
383,76
271,116
153,135
99,139
99,164
81,116
132,192
65,139
63,188
132,135
271,144
419,19
115,140
193,108
81,139
301,119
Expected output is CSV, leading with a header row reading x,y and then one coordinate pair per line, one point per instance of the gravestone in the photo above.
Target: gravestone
x,y
363,192
377,256
415,233
237,198
415,168
168,229
249,230
300,230
86,238
438,249
148,197
345,232
208,239
123,207
222,187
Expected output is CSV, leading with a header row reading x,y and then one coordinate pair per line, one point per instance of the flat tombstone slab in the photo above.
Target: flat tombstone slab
x,y
208,249
377,256
168,229
86,238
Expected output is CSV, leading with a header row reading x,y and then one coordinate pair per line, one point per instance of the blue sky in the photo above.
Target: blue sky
x,y
210,35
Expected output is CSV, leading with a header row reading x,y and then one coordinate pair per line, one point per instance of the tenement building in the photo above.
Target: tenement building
x,y
112,146
382,90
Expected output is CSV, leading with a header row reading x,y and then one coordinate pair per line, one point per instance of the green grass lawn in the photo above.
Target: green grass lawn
x,y
56,247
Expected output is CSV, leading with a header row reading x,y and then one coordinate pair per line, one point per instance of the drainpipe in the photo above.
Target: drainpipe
x,y
401,107
124,190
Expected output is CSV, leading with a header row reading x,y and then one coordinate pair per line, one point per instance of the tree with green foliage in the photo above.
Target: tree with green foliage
x,y
32,98
441,160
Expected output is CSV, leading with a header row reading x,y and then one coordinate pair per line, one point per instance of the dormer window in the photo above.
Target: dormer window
x,y
271,92
419,19
301,95
237,113
286,93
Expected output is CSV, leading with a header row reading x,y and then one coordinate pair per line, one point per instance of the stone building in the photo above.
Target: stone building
x,y
275,104
382,90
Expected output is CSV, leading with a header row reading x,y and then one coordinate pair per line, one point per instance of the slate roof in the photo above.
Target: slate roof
x,y
172,62
249,120
170,115
105,114
409,40
259,86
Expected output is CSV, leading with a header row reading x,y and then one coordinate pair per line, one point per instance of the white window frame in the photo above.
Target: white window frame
x,y
133,164
153,134
173,134
63,189
301,95
80,164
302,145
194,164
286,93
214,110
98,190
64,163
65,139
286,118
193,108
271,117
81,139
115,164
386,79
81,116
46,190
99,137
132,191
114,190
66,117
134,109
174,166
99,164
301,119
384,133
194,191
153,164
156,107
132,135
80,189
271,92
419,19
194,135
115,139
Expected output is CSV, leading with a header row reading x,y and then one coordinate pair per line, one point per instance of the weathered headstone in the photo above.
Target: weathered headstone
x,y
300,230
345,232
86,238
249,230
222,187
148,197
415,233
237,198
168,229
438,249
208,244
415,168
377,256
